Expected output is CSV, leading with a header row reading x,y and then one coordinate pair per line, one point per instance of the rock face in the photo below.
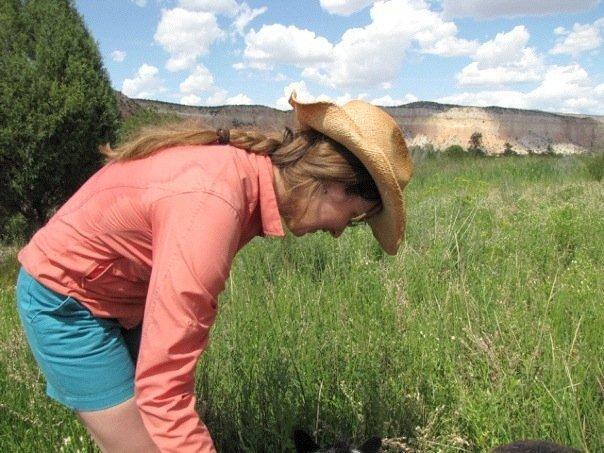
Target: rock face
x,y
425,123
525,130
127,106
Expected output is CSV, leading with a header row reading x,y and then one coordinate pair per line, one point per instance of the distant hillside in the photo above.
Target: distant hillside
x,y
424,123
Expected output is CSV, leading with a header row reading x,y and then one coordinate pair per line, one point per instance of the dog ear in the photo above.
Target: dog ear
x,y
304,443
371,445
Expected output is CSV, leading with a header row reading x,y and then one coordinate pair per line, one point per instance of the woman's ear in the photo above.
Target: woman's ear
x,y
335,191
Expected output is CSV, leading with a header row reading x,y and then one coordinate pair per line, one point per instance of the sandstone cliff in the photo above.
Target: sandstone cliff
x,y
426,123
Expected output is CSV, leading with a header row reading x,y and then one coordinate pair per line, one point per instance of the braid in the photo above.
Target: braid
x,y
152,138
254,142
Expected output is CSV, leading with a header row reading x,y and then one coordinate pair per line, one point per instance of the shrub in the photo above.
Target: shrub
x,y
508,150
420,153
144,117
14,228
56,107
455,151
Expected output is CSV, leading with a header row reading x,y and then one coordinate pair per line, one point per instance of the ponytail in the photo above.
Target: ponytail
x,y
151,139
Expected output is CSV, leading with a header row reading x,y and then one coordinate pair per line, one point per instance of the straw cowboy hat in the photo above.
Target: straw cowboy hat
x,y
374,137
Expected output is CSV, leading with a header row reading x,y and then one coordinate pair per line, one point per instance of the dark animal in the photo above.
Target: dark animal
x,y
533,446
305,444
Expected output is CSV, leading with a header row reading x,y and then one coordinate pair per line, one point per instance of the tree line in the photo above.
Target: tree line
x,y
56,107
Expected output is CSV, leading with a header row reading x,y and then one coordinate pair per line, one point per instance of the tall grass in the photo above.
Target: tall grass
x,y
485,328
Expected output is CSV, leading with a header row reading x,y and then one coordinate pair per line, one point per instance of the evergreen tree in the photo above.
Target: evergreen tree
x,y
56,107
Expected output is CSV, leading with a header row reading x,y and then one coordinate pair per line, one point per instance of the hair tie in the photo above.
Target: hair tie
x,y
224,136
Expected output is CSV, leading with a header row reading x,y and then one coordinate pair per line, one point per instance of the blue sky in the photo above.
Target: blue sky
x,y
537,54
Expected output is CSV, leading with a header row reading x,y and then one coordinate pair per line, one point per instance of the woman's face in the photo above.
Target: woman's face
x,y
330,210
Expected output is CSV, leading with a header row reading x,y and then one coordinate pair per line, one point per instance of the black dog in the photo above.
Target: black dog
x,y
305,444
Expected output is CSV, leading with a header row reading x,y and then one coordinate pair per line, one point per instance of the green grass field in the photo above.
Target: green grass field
x,y
487,327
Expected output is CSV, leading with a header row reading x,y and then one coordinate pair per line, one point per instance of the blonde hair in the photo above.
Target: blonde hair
x,y
305,159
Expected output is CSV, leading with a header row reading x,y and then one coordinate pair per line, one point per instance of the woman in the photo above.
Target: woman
x,y
147,242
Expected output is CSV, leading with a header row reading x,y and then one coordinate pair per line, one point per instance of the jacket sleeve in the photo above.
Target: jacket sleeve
x,y
194,240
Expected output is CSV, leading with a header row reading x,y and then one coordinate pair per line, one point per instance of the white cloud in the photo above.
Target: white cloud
x,y
373,55
364,57
240,99
346,97
190,99
302,94
580,39
279,44
389,102
118,55
506,98
504,59
436,36
140,3
505,48
252,65
450,46
145,84
563,89
218,98
498,8
345,7
562,86
241,13
200,80
245,15
186,35
226,7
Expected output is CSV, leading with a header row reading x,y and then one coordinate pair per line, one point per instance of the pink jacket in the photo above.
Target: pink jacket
x,y
152,240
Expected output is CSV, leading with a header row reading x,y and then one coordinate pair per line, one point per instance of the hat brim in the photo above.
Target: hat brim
x,y
388,226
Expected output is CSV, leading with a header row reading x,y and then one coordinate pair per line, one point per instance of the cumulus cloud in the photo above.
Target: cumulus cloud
x,y
241,13
345,7
186,35
190,99
563,89
502,98
580,39
145,83
200,80
504,59
370,56
509,8
562,85
373,55
277,43
240,99
388,101
118,55
302,94
218,98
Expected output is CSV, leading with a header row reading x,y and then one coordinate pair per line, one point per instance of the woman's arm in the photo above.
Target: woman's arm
x,y
195,238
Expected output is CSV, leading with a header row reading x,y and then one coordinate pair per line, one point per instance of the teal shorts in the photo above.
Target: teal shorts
x,y
88,362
